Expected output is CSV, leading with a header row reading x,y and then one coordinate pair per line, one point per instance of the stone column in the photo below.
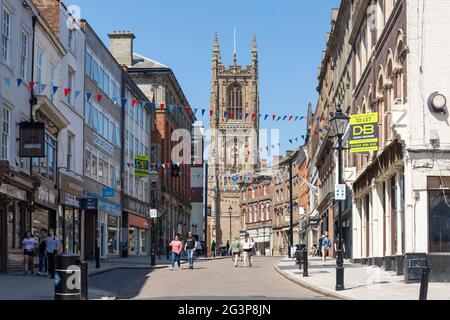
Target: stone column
x,y
364,226
388,226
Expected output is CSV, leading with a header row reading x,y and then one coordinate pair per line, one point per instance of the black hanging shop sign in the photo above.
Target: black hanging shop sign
x,y
88,203
32,140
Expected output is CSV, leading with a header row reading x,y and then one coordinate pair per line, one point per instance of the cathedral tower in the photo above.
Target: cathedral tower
x,y
234,148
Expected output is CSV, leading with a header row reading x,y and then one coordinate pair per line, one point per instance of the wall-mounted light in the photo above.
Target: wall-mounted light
x,y
437,102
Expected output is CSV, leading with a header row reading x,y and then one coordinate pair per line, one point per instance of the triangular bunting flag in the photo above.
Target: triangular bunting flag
x,y
124,102
77,93
133,102
66,91
99,98
203,112
7,81
266,116
19,82
55,88
31,85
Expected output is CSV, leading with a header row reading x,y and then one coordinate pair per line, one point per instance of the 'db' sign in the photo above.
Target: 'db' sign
x,y
32,140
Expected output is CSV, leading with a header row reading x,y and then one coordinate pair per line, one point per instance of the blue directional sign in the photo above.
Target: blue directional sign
x,y
109,192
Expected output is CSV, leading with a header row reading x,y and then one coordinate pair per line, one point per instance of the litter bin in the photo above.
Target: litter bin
x,y
68,277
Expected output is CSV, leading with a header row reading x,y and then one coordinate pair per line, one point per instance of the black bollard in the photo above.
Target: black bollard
x,y
424,283
68,277
305,263
84,281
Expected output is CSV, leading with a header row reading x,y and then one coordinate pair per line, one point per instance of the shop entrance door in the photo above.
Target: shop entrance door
x,y
89,234
3,241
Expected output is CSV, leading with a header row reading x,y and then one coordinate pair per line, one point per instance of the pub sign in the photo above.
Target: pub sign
x,y
32,140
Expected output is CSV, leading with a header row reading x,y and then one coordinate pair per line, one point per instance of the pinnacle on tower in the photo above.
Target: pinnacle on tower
x,y
216,48
254,50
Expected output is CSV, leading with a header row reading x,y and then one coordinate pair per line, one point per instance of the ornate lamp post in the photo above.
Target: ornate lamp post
x,y
338,127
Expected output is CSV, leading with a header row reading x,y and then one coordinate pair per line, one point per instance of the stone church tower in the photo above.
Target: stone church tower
x,y
234,146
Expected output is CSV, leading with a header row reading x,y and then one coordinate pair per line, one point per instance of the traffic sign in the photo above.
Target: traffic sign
x,y
340,192
153,213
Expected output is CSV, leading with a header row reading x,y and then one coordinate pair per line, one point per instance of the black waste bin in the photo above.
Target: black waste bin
x,y
68,277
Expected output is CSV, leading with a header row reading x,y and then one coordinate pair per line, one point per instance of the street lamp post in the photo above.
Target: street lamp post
x,y
230,210
338,126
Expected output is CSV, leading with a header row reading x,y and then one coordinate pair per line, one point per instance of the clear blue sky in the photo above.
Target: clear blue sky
x,y
179,33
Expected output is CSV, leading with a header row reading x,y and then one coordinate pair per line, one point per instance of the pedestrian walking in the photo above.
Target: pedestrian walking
x,y
189,247
213,248
176,246
199,248
235,250
248,246
42,252
326,245
29,249
320,244
52,246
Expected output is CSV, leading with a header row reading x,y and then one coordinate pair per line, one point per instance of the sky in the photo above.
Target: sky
x,y
291,35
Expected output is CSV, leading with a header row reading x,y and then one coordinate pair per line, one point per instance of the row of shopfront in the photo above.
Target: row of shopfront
x,y
35,203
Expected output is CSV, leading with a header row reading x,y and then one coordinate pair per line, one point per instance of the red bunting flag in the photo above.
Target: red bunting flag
x,y
133,102
322,118
66,91
99,98
31,84
273,117
161,106
211,113
253,116
290,118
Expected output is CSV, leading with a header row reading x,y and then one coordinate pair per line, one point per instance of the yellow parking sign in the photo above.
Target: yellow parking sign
x,y
364,132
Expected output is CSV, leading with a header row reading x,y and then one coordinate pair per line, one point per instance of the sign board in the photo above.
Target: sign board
x,y
141,166
340,192
364,132
89,203
153,213
109,192
32,140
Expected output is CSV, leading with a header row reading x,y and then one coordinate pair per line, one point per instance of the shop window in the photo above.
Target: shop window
x,y
112,235
5,133
439,222
46,167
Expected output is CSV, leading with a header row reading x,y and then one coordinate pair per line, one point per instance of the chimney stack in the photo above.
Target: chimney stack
x,y
121,47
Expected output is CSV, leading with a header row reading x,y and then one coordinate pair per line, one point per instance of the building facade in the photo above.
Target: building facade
x,y
400,207
256,212
171,147
69,77
138,123
102,149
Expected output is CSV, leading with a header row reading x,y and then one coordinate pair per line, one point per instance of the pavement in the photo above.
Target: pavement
x,y
16,286
209,280
361,282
